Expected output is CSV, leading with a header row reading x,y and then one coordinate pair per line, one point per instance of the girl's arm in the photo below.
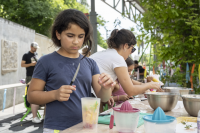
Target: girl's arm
x,y
127,85
102,86
37,95
120,98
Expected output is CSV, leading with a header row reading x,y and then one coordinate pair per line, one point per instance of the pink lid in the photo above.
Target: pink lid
x,y
126,107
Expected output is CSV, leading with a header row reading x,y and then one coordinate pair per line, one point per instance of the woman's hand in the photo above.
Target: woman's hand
x,y
106,81
63,93
155,85
160,90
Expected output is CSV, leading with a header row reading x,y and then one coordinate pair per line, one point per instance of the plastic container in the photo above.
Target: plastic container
x,y
198,122
159,122
90,112
126,118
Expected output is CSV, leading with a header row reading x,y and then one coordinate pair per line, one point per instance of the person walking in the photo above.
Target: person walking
x,y
29,61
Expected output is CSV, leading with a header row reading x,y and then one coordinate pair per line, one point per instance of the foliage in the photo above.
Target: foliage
x,y
36,14
39,14
177,25
179,77
174,26
146,59
101,41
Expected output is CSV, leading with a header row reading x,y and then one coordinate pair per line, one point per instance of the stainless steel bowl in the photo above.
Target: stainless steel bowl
x,y
178,90
191,103
167,101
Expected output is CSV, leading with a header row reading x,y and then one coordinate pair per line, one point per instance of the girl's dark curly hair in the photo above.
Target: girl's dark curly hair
x,y
72,16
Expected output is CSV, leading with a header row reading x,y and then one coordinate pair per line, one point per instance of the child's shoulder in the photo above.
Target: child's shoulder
x,y
89,60
48,56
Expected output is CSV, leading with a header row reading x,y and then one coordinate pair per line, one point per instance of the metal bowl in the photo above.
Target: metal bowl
x,y
191,103
167,101
178,90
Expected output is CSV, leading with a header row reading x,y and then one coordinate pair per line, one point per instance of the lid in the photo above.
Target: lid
x,y
159,117
126,107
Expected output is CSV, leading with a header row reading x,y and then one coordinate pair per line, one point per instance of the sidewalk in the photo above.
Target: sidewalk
x,y
10,123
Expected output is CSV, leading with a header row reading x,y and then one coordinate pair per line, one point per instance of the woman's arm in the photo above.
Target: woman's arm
x,y
37,95
136,82
102,86
127,85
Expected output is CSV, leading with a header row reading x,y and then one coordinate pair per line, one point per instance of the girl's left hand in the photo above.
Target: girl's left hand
x,y
106,81
111,102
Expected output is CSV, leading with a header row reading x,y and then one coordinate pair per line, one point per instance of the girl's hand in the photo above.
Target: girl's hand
x,y
149,79
111,102
131,97
123,97
63,93
106,81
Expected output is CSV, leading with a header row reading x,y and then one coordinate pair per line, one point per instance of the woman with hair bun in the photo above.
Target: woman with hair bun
x,y
112,61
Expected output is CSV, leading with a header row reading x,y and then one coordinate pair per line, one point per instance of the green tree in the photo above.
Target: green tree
x,y
100,40
40,14
177,25
36,14
174,26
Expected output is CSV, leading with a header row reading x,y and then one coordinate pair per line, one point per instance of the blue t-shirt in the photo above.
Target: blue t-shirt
x,y
57,70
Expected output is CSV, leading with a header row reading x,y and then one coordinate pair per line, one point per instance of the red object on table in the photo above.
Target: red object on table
x,y
111,121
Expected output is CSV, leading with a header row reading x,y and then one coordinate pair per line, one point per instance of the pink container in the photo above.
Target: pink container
x,y
126,118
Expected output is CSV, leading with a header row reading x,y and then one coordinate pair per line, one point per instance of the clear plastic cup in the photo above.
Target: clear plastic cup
x,y
90,111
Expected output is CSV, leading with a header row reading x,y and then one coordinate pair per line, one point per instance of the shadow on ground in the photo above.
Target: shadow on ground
x,y
12,124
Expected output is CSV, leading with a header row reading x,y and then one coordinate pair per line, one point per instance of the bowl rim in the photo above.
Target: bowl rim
x,y
176,88
185,96
162,93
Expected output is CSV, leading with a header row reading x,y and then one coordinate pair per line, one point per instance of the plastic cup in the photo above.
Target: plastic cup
x,y
90,111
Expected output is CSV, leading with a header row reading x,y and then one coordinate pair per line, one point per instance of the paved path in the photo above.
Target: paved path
x,y
10,123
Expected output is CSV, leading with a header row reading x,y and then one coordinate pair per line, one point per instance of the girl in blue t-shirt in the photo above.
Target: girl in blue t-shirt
x,y
71,31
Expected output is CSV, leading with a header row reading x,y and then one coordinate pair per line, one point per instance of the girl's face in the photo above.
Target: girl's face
x,y
71,39
130,69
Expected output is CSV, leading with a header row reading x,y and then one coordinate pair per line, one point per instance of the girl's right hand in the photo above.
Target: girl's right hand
x,y
63,93
123,97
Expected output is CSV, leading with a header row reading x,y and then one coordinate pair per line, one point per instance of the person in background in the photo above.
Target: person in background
x,y
141,70
120,95
29,61
84,52
144,65
34,108
71,30
112,61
